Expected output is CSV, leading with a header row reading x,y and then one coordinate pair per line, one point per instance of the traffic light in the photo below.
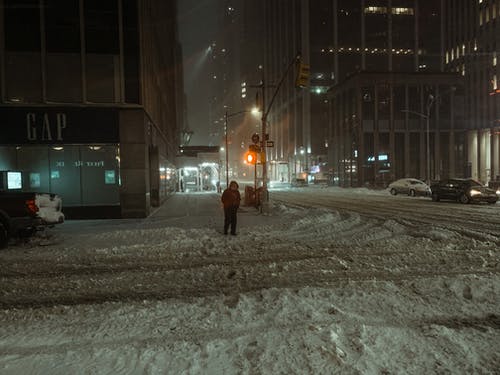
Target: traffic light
x,y
251,157
303,73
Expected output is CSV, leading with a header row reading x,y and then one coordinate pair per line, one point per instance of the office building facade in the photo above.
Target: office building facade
x,y
394,112
88,106
472,49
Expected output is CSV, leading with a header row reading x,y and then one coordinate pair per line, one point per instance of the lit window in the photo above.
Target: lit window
x,y
452,54
494,58
480,18
458,52
463,49
494,11
487,14
403,11
376,10
480,1
463,70
494,82
475,45
447,57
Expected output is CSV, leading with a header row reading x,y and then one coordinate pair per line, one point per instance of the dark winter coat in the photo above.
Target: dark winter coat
x,y
230,197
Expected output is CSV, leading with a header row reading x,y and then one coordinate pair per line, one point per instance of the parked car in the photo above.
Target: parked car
x,y
410,186
22,214
298,182
463,191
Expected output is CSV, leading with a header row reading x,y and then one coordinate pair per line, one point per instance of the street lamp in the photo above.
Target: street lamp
x,y
430,101
427,119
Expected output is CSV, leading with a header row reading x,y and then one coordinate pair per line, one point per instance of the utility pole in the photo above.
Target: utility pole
x,y
265,113
263,154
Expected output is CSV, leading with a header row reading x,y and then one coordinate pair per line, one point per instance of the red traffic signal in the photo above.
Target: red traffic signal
x,y
251,157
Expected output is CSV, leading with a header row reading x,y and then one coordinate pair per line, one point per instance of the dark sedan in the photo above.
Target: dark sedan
x,y
463,191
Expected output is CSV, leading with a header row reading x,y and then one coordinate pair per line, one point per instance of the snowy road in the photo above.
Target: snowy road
x,y
324,284
481,218
368,237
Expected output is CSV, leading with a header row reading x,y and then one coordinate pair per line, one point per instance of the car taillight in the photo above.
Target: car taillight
x,y
31,205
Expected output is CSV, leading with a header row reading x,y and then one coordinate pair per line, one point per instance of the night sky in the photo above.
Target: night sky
x,y
197,28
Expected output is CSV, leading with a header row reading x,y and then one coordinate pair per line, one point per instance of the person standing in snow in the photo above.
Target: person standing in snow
x,y
231,200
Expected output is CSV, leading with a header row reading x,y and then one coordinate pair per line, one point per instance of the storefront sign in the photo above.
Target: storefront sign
x,y
42,128
51,125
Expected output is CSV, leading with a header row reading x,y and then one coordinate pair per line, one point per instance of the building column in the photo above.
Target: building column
x,y
451,155
135,197
495,154
407,136
484,156
472,153
376,152
392,138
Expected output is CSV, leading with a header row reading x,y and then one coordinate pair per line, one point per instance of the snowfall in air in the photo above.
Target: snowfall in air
x,y
299,291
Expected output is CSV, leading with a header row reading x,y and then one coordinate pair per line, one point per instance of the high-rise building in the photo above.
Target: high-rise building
x,y
340,39
386,97
472,49
394,113
87,101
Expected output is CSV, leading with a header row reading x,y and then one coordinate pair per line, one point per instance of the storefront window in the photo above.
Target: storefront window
x,y
7,158
33,161
82,175
65,174
99,170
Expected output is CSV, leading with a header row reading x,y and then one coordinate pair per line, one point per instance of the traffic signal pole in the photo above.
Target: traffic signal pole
x,y
265,113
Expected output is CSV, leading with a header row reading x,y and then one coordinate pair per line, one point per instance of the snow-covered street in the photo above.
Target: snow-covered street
x,y
346,281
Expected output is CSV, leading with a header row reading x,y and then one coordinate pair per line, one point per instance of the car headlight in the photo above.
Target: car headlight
x,y
474,192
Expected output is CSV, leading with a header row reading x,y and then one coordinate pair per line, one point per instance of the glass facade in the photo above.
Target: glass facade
x,y
54,52
392,140
83,175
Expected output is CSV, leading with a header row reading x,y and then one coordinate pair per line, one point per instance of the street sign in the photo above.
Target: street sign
x,y
255,138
